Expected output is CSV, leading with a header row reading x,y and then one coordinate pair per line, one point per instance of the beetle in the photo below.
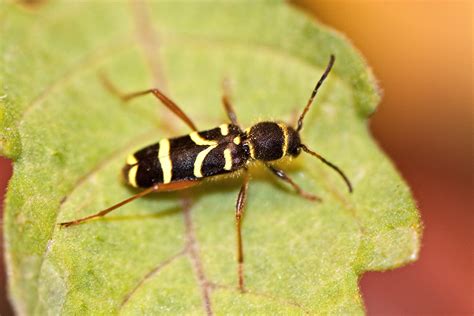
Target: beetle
x,y
181,162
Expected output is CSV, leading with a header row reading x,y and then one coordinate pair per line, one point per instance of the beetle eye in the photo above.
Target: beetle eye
x,y
295,152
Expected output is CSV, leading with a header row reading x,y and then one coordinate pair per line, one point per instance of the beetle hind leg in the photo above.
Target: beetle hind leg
x,y
172,106
173,186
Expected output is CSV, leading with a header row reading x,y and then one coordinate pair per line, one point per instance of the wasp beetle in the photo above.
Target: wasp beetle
x,y
181,162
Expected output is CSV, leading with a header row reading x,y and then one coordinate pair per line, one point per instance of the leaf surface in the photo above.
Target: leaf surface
x,y
69,137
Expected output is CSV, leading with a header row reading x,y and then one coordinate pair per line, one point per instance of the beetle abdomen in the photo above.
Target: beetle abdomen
x,y
197,155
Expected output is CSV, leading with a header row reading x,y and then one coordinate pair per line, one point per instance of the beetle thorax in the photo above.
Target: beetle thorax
x,y
269,141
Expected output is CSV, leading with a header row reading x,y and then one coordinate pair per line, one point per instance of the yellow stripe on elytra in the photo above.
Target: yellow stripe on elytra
x,y
132,176
237,140
165,160
131,160
200,159
198,140
285,138
228,159
224,129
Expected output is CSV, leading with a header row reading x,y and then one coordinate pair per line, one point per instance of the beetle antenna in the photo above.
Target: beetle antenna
x,y
330,164
313,94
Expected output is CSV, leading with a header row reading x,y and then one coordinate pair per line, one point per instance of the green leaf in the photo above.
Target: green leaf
x,y
69,137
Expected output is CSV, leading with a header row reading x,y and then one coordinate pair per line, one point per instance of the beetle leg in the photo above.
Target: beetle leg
x,y
227,104
239,213
172,106
173,186
282,175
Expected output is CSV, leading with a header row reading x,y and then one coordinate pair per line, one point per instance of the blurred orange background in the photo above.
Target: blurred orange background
x,y
421,52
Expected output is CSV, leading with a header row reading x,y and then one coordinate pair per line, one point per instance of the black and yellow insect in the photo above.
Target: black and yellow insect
x,y
181,162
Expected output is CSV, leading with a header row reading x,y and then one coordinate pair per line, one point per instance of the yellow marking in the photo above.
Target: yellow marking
x,y
249,142
285,138
131,160
165,160
200,159
132,176
224,129
228,159
198,140
252,150
237,140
